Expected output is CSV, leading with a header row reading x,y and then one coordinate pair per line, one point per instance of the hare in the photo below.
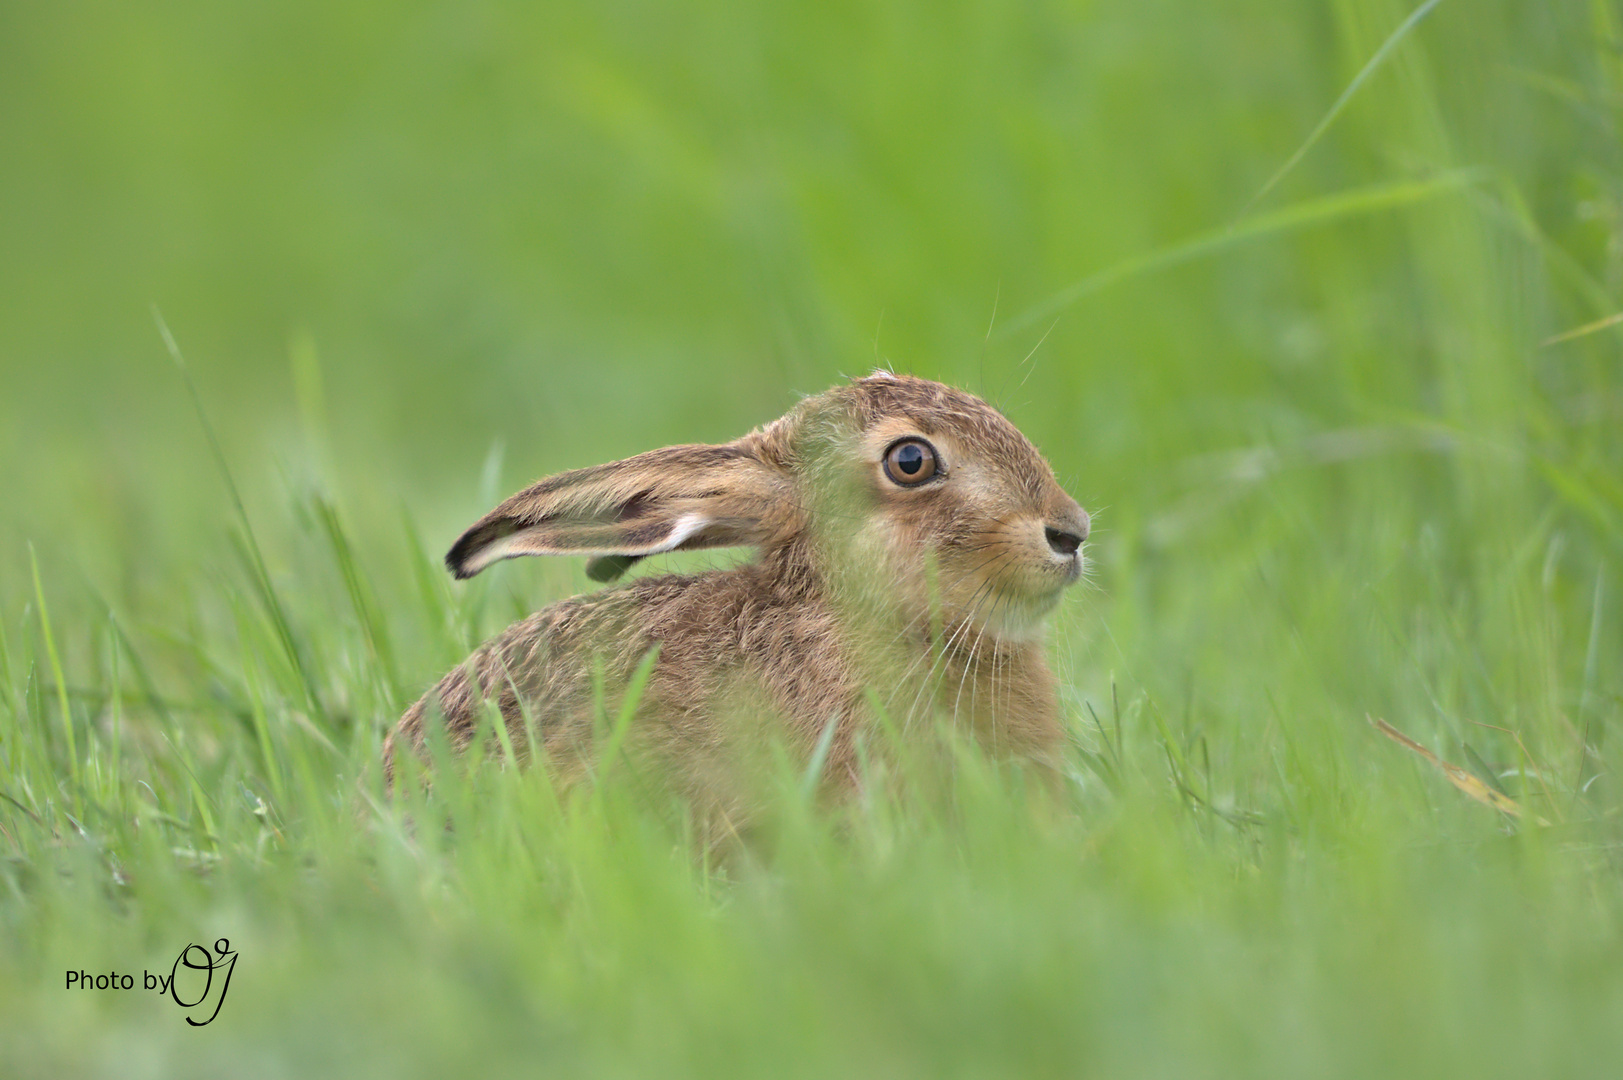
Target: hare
x,y
911,542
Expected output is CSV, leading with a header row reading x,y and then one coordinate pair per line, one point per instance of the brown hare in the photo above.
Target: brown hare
x,y
911,542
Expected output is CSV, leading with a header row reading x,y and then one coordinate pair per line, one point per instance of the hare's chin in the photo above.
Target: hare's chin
x,y
1022,619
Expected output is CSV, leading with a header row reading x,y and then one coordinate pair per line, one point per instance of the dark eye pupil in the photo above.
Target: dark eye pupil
x,y
910,459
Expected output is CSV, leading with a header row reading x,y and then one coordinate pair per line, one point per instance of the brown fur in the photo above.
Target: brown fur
x,y
929,597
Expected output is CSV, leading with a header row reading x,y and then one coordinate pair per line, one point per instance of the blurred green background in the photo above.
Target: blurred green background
x,y
1350,434
583,230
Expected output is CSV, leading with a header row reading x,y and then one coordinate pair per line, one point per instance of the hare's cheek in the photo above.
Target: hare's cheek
x,y
881,547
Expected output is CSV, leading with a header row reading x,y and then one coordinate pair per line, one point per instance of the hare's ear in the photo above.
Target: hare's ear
x,y
678,498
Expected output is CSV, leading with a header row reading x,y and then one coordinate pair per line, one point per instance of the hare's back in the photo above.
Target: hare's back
x,y
727,640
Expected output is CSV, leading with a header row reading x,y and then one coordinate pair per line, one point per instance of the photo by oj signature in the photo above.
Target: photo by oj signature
x,y
911,541
175,985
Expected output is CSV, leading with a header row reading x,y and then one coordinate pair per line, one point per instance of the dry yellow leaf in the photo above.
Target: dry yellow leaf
x,y
1457,776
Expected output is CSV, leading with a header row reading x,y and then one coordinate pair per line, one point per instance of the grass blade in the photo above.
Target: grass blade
x,y
255,557
628,708
372,627
1591,721
1356,202
1369,68
61,682
1583,331
814,767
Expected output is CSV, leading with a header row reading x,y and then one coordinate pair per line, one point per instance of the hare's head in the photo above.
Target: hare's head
x,y
937,505
900,494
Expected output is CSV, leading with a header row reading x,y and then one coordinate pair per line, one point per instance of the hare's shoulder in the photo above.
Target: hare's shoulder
x,y
748,612
747,634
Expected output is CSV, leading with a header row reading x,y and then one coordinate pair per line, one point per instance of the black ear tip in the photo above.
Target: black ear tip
x,y
469,544
456,560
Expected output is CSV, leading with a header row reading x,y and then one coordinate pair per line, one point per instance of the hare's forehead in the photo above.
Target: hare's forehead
x,y
982,436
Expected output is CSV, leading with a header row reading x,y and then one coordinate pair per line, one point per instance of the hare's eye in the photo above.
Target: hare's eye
x,y
911,462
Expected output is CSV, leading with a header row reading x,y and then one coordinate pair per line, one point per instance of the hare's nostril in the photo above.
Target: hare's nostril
x,y
1063,543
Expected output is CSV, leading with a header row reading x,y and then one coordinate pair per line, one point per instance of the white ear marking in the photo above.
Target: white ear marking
x,y
492,553
684,529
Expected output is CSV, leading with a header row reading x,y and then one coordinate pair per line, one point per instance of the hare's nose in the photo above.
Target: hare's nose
x,y
1064,542
1067,530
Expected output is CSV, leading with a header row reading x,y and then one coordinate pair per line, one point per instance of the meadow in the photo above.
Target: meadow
x,y
1314,307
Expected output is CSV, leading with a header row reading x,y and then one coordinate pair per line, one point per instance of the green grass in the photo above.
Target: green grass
x,y
1336,372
